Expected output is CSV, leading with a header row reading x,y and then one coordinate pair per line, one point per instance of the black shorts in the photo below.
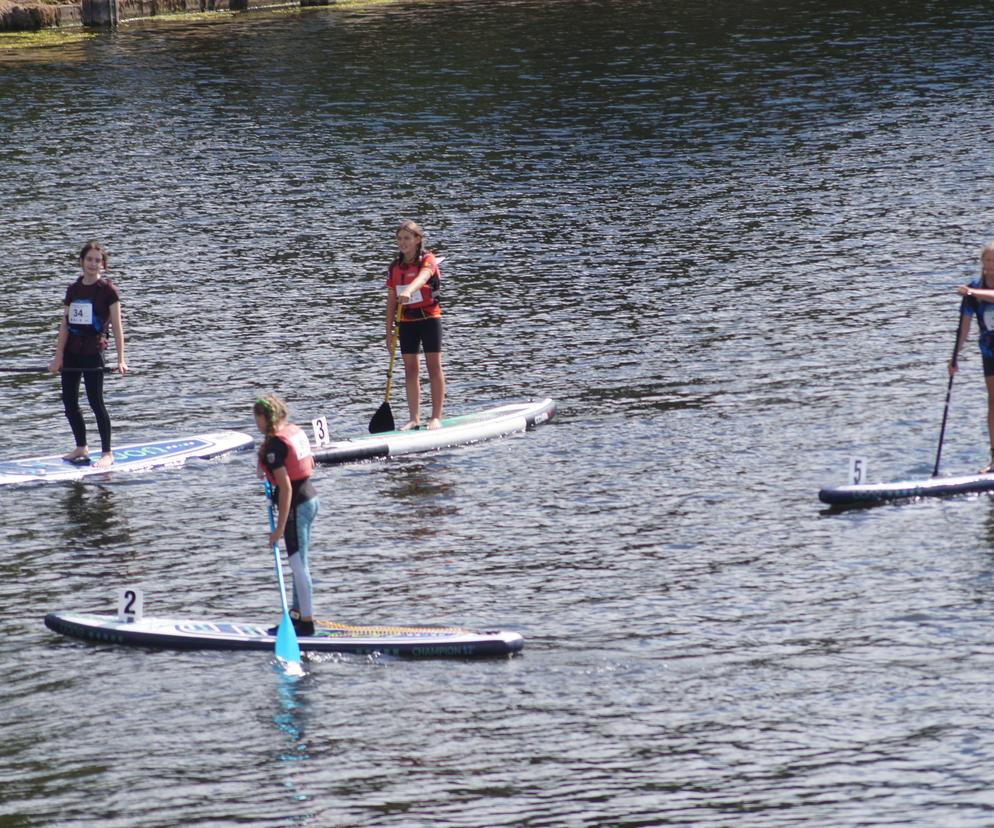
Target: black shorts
x,y
988,365
426,332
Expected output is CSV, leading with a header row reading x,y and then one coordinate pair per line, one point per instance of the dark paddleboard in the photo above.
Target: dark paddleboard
x,y
869,493
174,634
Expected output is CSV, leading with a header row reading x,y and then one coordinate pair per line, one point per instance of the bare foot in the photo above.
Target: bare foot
x,y
77,454
411,424
434,423
105,460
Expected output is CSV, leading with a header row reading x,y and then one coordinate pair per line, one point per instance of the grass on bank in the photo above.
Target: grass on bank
x,y
42,37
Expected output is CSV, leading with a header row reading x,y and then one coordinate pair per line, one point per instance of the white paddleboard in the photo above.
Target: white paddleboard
x,y
455,431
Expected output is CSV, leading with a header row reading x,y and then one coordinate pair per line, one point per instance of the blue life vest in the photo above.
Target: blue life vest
x,y
984,311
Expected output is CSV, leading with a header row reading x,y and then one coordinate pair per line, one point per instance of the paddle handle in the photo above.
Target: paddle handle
x,y
394,332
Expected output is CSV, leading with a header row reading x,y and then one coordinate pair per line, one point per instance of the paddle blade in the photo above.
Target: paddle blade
x,y
287,647
382,419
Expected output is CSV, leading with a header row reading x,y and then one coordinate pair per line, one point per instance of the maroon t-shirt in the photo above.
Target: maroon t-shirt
x,y
88,312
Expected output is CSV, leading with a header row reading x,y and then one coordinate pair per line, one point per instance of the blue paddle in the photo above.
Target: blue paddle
x,y
287,648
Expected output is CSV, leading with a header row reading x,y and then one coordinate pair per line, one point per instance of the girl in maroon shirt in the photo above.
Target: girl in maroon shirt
x,y
92,307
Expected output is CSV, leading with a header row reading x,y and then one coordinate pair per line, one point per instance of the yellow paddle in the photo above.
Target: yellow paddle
x,y
383,418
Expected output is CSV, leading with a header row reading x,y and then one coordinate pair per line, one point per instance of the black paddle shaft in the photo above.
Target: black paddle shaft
x,y
949,392
44,370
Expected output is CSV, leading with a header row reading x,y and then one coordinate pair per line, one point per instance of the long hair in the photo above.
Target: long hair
x,y
94,245
273,409
987,248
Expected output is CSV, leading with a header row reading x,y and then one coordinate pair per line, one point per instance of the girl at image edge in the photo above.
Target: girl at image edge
x,y
979,301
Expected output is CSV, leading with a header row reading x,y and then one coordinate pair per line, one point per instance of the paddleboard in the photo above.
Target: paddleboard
x,y
138,457
173,634
455,431
869,493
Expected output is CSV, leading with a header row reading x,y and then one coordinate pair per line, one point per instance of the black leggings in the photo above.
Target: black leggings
x,y
94,383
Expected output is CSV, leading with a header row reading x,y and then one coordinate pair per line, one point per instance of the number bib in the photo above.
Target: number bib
x,y
81,312
301,445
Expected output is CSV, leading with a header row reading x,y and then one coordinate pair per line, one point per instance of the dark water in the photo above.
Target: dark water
x,y
724,236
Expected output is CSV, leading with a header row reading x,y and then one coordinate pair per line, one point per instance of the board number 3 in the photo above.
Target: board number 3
x,y
857,470
130,603
320,426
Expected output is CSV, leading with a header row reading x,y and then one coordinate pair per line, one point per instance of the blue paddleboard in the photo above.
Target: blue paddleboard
x,y
138,457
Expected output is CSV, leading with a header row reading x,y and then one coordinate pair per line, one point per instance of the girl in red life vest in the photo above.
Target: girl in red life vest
x,y
285,460
92,307
413,282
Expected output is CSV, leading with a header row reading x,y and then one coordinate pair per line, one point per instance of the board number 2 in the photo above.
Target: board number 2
x,y
130,601
320,426
857,470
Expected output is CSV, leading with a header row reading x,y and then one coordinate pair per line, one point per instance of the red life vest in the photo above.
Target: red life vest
x,y
403,273
299,460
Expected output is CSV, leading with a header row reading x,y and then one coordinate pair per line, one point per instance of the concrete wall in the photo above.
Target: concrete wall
x,y
17,18
110,12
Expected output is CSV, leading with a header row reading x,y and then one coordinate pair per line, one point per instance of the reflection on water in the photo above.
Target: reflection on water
x,y
417,495
97,540
92,519
291,720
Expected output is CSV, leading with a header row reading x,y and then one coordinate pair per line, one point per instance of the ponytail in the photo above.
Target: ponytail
x,y
273,410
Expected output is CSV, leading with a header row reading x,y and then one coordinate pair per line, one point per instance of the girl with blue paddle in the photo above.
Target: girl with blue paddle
x,y
286,463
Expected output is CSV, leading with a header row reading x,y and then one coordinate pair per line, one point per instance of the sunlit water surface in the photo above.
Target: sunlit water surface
x,y
723,236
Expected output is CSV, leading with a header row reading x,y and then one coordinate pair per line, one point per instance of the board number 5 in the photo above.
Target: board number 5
x,y
130,602
320,426
857,470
